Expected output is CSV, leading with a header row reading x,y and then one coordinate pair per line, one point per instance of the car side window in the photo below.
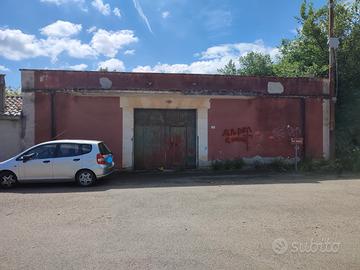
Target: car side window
x,y
73,149
43,151
69,150
86,149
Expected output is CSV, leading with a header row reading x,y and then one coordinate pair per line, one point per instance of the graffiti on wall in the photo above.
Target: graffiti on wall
x,y
242,134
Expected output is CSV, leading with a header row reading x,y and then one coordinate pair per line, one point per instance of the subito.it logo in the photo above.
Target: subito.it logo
x,y
280,246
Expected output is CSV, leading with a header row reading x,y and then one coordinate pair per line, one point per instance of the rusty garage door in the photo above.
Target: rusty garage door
x,y
164,139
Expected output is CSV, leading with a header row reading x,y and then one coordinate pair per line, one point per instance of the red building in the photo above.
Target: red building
x,y
154,120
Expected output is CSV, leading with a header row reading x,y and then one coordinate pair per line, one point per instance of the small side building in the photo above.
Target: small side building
x,y
152,120
10,123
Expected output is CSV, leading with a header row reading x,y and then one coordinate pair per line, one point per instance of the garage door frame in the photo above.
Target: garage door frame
x,y
164,101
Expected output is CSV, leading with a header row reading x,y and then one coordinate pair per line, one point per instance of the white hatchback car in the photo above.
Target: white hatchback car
x,y
64,160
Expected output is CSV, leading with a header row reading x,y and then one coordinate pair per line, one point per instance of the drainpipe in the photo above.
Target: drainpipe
x,y
2,93
53,115
303,126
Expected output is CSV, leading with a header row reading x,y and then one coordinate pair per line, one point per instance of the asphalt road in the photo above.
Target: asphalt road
x,y
184,221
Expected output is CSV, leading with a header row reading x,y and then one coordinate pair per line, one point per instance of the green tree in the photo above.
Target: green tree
x,y
228,69
252,64
308,55
10,91
256,64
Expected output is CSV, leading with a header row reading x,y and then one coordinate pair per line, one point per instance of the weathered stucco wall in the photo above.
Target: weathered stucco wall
x,y
10,142
242,116
237,128
190,84
314,127
81,117
263,127
253,127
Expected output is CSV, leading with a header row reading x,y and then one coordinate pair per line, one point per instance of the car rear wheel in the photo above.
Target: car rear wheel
x,y
85,178
7,179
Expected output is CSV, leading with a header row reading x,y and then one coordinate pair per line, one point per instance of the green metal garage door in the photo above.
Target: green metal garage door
x,y
165,139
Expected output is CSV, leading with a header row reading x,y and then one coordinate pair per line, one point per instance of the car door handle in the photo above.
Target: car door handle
x,y
76,159
46,161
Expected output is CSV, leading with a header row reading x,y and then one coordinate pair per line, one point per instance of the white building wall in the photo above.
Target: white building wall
x,y
10,139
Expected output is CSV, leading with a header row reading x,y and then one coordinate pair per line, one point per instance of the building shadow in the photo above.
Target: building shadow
x,y
133,180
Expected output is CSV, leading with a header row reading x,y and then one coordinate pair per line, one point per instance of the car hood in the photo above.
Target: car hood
x,y
4,164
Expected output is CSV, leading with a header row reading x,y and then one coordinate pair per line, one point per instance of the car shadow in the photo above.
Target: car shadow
x,y
131,180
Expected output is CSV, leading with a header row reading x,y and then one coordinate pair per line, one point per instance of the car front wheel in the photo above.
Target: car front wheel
x,y
7,179
85,178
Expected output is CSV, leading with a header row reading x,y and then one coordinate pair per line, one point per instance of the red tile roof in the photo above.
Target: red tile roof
x,y
13,105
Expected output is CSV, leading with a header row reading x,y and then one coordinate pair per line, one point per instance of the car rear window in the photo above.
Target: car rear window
x,y
73,149
104,150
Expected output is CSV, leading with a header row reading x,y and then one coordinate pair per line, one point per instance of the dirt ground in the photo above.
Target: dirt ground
x,y
184,221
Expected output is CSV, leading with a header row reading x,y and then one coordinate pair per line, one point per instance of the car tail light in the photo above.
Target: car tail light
x,y
100,159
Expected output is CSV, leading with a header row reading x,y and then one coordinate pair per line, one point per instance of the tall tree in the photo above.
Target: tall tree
x,y
308,55
256,64
252,64
229,69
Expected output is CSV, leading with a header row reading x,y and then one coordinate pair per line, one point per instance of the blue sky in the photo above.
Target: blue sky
x,y
193,36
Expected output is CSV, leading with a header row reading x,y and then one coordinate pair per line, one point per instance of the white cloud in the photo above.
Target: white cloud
x,y
62,2
16,45
104,9
237,50
91,29
3,68
212,59
112,65
74,48
201,67
117,12
165,14
61,29
79,67
141,14
129,52
110,42
79,3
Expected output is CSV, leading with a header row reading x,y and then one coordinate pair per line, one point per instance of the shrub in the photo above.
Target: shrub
x,y
238,163
280,165
321,165
351,161
216,165
228,164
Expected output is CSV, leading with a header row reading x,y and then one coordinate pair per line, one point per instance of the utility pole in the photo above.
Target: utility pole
x,y
333,45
